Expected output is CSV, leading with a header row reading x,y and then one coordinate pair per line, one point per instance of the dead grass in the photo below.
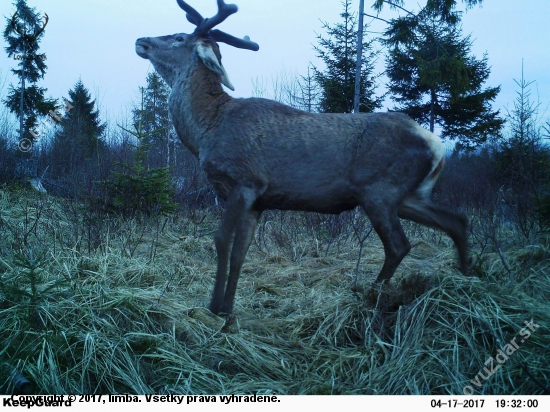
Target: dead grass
x,y
124,320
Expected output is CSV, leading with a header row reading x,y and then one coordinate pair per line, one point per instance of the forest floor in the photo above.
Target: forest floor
x,y
101,304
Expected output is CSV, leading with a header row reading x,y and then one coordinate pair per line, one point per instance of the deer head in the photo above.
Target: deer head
x,y
170,55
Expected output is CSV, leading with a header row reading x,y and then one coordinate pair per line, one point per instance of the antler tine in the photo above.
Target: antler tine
x,y
245,43
46,20
193,16
204,26
224,11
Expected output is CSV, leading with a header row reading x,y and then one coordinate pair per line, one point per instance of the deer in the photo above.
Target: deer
x,y
259,155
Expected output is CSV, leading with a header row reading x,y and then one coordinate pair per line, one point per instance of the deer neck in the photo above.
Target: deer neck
x,y
197,105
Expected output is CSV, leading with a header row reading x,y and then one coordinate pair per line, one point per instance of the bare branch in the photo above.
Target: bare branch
x,y
377,18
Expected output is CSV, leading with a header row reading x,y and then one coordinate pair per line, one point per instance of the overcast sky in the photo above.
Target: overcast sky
x,y
94,40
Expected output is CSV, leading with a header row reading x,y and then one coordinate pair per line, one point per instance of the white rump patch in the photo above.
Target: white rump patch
x,y
437,148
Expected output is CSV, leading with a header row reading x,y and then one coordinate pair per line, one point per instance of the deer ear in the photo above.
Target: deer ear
x,y
209,58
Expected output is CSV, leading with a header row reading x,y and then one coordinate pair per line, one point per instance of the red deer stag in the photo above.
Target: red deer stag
x,y
260,154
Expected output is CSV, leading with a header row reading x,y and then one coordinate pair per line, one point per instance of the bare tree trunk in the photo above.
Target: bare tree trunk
x,y
359,58
175,151
432,110
21,114
167,147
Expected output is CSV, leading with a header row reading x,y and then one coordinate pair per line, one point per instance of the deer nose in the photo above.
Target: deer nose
x,y
142,42
142,47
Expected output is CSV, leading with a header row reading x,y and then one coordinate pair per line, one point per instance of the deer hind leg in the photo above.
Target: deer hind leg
x,y
424,211
385,221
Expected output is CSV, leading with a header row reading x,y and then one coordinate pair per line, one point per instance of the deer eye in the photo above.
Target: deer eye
x,y
179,38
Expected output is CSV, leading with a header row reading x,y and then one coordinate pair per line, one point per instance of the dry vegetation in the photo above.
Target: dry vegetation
x,y
122,309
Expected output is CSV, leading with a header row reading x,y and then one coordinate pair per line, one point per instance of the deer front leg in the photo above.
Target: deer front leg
x,y
222,240
238,214
243,236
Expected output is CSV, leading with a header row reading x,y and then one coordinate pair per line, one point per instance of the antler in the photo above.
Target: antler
x,y
46,20
193,16
224,11
204,26
34,35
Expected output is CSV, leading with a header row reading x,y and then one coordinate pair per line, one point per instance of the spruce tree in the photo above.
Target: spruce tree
x,y
23,33
82,125
79,136
523,163
434,78
138,189
308,92
443,9
154,115
337,82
